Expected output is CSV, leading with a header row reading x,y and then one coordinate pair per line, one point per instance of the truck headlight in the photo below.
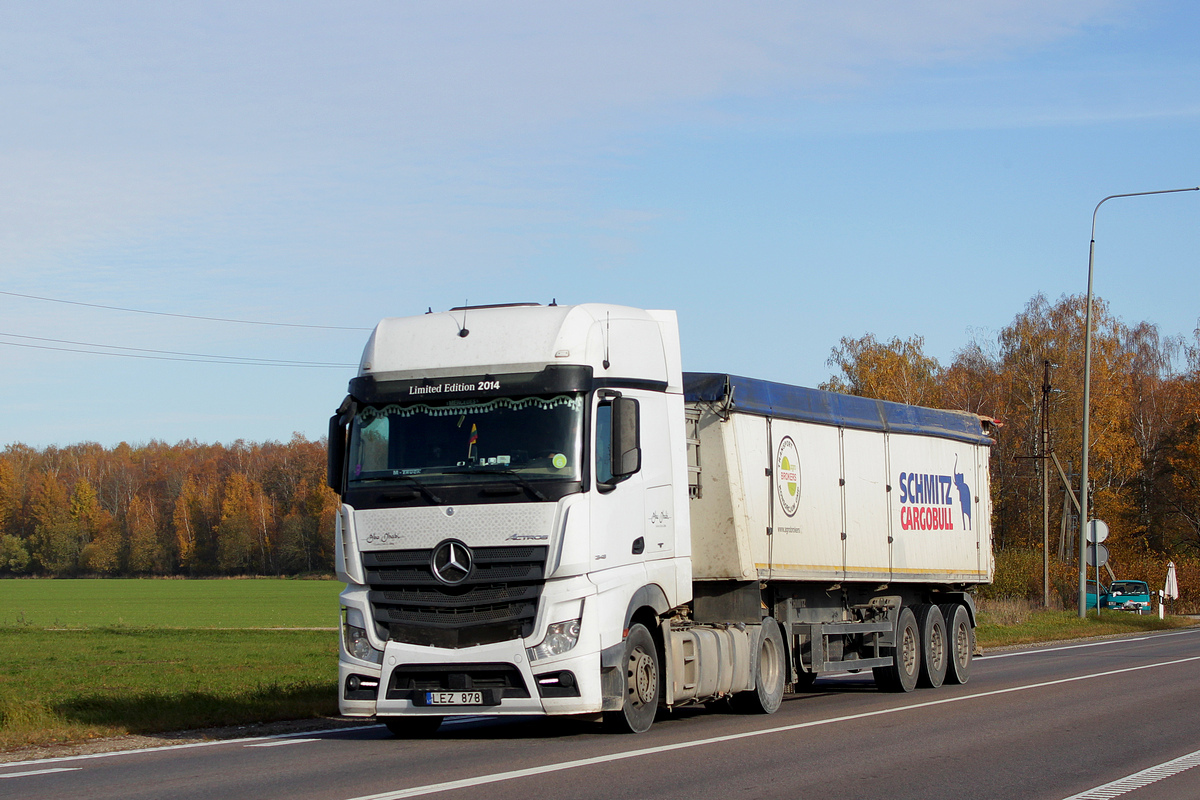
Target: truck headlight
x,y
354,637
560,637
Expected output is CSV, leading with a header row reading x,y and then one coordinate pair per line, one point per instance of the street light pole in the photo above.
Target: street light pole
x,y
1087,382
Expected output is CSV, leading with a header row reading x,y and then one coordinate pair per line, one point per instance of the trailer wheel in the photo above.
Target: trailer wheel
x,y
934,646
411,727
642,681
961,639
901,676
770,674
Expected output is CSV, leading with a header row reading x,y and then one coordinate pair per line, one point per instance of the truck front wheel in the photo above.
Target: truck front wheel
x,y
640,666
770,673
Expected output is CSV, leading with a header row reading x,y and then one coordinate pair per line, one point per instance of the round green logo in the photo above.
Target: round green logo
x,y
787,475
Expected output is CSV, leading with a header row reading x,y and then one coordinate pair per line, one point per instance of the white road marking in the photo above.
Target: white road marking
x,y
282,742
1139,779
498,777
39,772
1039,650
189,746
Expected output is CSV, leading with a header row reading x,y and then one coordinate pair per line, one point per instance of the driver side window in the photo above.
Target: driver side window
x,y
604,444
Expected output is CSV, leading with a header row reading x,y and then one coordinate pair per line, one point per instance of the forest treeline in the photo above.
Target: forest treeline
x,y
166,509
212,509
1144,459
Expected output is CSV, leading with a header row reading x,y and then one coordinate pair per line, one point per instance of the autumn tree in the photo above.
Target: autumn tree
x,y
10,500
99,535
242,536
57,537
146,553
897,370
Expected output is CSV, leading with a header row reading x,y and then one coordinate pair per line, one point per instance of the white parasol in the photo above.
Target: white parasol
x,y
1171,590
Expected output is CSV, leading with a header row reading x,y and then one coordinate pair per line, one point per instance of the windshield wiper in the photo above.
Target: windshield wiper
x,y
507,472
428,495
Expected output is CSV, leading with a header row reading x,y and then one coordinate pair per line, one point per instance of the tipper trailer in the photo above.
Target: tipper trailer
x,y
543,514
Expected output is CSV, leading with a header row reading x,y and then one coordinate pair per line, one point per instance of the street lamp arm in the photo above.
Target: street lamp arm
x,y
1134,194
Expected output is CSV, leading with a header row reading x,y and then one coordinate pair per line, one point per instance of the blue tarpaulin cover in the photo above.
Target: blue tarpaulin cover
x,y
768,399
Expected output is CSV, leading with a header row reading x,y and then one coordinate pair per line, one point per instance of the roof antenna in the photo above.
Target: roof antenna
x,y
430,311
607,323
553,301
462,329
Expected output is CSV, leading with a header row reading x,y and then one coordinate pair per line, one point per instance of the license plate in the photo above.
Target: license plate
x,y
454,698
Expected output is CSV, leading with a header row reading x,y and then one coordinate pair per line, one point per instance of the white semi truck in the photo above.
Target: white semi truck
x,y
543,514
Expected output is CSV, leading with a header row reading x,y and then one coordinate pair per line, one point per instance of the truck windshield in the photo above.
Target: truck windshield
x,y
529,438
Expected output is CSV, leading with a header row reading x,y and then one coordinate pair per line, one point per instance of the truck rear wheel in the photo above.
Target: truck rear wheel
x,y
934,656
770,673
960,637
411,727
901,676
642,680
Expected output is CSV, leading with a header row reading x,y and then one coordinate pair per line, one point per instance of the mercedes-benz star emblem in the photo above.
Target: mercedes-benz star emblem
x,y
451,562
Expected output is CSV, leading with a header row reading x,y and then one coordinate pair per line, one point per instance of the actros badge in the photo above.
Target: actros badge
x,y
451,562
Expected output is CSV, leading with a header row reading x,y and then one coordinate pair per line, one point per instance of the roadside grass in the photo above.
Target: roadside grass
x,y
78,660
1007,623
169,603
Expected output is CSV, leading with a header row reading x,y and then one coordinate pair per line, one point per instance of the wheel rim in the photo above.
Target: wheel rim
x,y
962,643
908,652
643,678
768,663
937,648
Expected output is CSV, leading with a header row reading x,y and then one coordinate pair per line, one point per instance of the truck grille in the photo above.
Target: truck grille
x,y
496,603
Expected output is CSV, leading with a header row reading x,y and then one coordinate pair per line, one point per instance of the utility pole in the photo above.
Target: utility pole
x,y
1045,453
1042,454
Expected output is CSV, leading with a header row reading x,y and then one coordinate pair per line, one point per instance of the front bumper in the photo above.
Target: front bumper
x,y
1133,607
501,673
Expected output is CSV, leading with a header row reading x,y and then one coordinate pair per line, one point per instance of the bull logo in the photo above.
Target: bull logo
x,y
964,495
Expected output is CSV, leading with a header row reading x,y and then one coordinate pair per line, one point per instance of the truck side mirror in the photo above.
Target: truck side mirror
x,y
626,437
339,424
337,453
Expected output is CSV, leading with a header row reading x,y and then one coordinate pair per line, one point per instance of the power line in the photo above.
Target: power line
x,y
178,353
167,355
184,316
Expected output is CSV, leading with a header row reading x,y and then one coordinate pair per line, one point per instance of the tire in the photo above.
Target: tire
x,y
935,655
643,684
960,636
770,673
902,675
411,727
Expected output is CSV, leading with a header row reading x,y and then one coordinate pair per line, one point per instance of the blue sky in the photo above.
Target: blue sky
x,y
781,174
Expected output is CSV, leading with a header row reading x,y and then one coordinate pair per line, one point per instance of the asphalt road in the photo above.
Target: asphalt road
x,y
1055,723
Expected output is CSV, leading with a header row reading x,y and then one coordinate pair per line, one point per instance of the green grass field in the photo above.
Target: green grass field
x,y
83,659
133,603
